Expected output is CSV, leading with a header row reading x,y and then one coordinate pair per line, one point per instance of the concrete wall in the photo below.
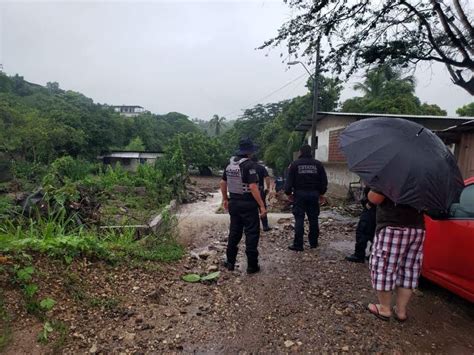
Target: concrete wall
x,y
339,174
322,131
129,164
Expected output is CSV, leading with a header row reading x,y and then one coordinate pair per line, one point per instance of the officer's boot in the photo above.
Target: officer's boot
x,y
265,225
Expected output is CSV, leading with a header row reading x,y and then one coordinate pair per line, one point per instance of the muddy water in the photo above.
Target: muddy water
x,y
201,217
198,218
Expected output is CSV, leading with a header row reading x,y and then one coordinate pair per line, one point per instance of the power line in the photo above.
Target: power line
x,y
266,96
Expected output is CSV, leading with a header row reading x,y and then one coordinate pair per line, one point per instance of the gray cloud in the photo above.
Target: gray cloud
x,y
195,57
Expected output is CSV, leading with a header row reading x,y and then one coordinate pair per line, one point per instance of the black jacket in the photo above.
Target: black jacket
x,y
306,174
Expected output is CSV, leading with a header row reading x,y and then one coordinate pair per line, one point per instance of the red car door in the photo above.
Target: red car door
x,y
449,247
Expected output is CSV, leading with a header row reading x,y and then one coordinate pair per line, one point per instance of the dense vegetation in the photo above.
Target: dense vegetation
x,y
466,110
40,124
58,201
387,91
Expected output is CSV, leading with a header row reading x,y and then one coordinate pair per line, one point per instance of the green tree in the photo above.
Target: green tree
x,y
278,139
53,87
41,124
432,110
363,33
217,123
376,80
466,110
387,91
199,151
136,145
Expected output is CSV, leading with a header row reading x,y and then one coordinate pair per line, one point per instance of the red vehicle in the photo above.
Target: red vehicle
x,y
449,247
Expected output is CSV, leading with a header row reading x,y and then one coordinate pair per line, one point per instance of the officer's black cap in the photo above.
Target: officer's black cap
x,y
246,146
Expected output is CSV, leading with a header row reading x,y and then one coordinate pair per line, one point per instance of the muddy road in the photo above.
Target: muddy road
x,y
306,302
312,301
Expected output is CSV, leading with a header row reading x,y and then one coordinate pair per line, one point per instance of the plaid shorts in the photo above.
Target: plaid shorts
x,y
396,258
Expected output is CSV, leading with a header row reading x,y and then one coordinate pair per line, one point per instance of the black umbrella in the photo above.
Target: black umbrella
x,y
404,160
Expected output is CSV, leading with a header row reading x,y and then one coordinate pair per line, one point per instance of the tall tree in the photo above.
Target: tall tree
x,y
376,80
136,145
361,33
217,123
387,91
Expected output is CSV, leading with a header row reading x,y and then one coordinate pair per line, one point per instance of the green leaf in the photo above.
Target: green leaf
x,y
192,278
30,290
211,277
47,304
43,335
48,327
25,273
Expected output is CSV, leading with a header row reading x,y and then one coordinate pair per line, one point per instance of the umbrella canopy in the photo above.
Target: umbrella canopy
x,y
404,160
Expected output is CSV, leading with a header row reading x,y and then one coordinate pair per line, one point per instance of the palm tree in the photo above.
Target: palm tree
x,y
217,123
376,80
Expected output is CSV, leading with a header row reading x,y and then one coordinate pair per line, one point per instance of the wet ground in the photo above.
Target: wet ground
x,y
307,302
315,301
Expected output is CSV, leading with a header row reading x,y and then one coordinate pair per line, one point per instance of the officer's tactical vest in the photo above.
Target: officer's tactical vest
x,y
235,184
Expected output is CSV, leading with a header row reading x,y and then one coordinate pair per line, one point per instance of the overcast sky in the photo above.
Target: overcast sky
x,y
194,57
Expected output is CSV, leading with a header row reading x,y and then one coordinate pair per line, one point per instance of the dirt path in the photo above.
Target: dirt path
x,y
300,302
313,301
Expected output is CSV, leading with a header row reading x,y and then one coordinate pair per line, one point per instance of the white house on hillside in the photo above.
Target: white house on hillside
x,y
129,111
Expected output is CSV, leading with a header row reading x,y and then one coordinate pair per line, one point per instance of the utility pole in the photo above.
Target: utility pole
x,y
314,138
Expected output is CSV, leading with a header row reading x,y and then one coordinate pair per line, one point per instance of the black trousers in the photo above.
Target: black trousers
x,y
244,217
365,231
265,218
306,203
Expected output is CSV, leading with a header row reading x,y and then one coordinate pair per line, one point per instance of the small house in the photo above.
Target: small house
x,y
331,124
129,111
130,160
462,137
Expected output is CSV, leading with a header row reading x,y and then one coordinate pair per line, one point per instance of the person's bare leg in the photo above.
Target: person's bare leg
x,y
385,301
403,297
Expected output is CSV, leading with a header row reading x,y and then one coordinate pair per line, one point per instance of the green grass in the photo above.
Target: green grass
x,y
60,238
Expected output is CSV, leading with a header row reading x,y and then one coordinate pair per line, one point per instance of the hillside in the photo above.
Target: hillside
x,y
42,123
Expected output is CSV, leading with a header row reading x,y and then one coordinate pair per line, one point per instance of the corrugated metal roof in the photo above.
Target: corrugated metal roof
x,y
129,106
454,120
132,155
463,127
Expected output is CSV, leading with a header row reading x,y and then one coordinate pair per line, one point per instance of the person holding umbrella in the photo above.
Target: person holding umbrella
x,y
410,172
397,253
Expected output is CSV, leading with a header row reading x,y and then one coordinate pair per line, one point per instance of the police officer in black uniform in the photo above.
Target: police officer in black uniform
x,y
306,182
240,180
365,231
263,180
